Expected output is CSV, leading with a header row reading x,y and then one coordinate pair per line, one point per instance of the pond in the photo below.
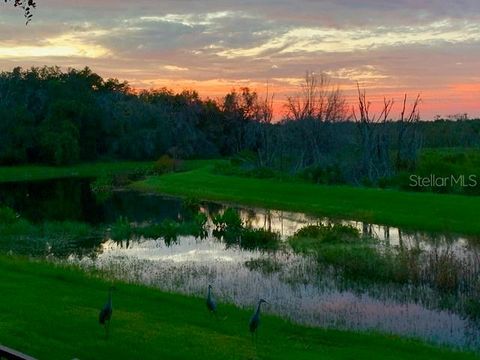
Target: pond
x,y
296,285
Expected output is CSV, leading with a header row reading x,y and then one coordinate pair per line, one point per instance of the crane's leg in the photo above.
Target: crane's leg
x,y
107,328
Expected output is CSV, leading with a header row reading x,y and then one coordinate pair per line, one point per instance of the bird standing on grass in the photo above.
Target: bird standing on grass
x,y
106,312
211,304
255,320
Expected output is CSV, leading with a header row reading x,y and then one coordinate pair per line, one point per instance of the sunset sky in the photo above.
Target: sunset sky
x,y
414,46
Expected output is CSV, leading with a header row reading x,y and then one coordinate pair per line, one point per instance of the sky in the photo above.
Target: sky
x,y
390,48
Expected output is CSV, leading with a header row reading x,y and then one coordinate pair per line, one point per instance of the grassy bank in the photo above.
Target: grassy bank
x,y
40,172
51,313
424,211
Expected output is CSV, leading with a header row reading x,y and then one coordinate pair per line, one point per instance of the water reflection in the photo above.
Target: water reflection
x,y
73,200
294,288
297,286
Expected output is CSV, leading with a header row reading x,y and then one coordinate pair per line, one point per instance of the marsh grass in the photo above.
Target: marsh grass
x,y
264,265
66,229
13,224
58,238
366,259
260,239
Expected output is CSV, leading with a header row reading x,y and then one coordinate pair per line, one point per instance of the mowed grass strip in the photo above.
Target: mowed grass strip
x,y
415,211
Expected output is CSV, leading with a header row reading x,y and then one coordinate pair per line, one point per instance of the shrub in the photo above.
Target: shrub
x,y
197,226
228,221
8,215
224,168
11,224
442,163
244,157
21,228
102,187
329,233
170,231
444,269
472,308
66,230
358,262
190,207
103,183
261,173
259,239
121,229
164,165
200,219
328,175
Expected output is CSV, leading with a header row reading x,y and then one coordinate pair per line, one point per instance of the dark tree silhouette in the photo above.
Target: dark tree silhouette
x,y
26,5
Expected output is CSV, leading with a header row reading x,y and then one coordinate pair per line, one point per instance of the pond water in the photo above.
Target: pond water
x,y
295,285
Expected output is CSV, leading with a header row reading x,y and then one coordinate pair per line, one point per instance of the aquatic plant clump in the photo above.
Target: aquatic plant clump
x,y
168,229
231,229
336,233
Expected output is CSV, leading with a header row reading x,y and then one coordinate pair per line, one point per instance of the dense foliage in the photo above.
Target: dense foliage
x,y
55,117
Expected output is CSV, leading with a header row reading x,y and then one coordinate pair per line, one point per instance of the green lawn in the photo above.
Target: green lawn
x,y
42,172
51,312
423,211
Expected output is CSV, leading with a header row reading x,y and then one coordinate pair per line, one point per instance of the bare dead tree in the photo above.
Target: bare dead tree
x,y
266,117
316,104
317,99
266,107
375,145
375,140
409,141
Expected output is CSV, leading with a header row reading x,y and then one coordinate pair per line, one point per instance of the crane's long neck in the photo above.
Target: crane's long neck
x,y
209,293
110,296
259,308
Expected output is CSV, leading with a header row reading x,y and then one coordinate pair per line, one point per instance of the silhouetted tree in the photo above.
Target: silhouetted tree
x,y
26,5
376,138
317,99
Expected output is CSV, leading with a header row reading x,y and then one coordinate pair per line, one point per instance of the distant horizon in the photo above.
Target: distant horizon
x,y
215,46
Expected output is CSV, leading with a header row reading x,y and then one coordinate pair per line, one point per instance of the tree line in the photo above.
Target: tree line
x,y
61,117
